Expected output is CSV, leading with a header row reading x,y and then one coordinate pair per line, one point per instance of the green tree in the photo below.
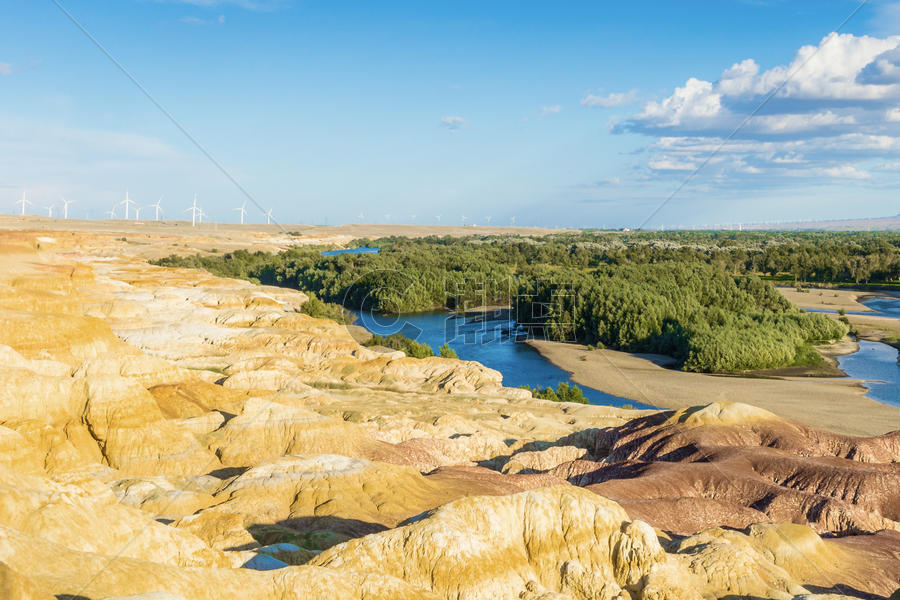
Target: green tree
x,y
447,352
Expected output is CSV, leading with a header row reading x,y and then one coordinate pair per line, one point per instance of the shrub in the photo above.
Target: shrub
x,y
564,393
447,352
324,310
398,341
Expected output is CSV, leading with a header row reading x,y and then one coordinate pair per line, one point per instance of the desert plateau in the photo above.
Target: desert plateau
x,y
169,434
315,300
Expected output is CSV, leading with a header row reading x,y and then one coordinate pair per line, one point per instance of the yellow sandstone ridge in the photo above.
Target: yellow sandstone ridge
x,y
170,435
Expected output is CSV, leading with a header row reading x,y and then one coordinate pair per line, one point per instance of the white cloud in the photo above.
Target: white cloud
x,y
550,110
829,113
845,172
669,164
453,123
739,79
793,123
840,78
5,69
614,99
696,101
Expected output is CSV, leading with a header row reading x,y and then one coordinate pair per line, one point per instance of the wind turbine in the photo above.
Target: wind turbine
x,y
269,217
512,221
194,210
112,212
49,211
464,220
201,215
438,217
127,201
137,212
413,217
243,210
157,207
488,219
361,217
24,201
387,217
66,204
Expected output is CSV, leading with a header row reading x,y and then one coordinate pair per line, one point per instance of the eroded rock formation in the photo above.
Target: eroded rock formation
x,y
169,435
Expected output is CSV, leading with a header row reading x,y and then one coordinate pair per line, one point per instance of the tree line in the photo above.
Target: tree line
x,y
695,296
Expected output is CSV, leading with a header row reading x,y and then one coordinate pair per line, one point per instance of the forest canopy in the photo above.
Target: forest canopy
x,y
699,297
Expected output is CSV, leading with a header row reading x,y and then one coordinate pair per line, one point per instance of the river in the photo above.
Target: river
x,y
490,341
876,365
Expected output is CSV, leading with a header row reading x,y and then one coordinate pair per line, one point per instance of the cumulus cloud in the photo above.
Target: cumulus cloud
x,y
845,172
671,164
795,123
550,110
844,77
828,113
453,123
609,101
5,69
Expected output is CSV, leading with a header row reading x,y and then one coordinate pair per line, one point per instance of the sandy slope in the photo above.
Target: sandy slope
x,y
161,429
835,404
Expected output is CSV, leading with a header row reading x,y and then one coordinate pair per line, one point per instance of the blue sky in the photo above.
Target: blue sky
x,y
559,114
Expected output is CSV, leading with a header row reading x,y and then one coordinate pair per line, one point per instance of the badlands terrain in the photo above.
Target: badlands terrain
x,y
170,435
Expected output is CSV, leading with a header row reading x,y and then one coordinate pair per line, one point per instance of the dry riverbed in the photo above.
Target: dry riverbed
x,y
836,404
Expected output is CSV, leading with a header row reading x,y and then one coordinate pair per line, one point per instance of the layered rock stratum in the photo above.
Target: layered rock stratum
x,y
169,435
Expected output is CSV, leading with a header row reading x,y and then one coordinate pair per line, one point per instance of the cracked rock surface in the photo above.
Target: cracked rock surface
x,y
170,435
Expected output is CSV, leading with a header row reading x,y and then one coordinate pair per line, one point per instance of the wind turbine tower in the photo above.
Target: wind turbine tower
x,y
24,202
195,211
66,204
49,211
269,217
157,207
127,201
243,210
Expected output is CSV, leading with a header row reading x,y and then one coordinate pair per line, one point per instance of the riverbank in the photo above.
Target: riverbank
x,y
828,299
871,326
836,404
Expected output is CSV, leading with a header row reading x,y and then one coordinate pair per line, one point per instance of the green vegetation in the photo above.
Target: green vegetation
x,y
563,393
447,352
700,297
398,341
324,310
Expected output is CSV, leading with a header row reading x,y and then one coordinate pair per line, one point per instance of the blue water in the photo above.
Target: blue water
x,y
351,251
885,307
876,364
882,307
492,342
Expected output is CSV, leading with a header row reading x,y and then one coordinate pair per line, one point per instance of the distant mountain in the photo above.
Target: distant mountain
x,y
874,224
